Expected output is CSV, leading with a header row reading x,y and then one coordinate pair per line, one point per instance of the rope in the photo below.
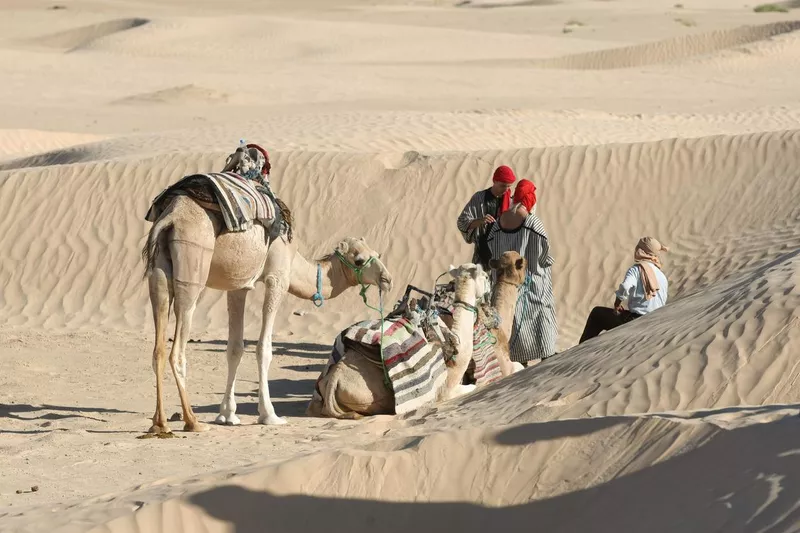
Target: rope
x,y
358,270
318,297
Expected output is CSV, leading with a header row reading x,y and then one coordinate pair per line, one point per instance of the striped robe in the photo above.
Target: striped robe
x,y
477,208
535,329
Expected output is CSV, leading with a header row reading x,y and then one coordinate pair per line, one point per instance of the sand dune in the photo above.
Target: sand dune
x,y
90,248
78,38
185,94
462,478
16,144
710,438
680,122
679,48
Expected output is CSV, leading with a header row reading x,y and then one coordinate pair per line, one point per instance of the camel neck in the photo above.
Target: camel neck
x,y
464,319
303,283
504,292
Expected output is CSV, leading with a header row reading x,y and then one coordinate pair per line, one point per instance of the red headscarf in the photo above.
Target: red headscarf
x,y
504,174
525,194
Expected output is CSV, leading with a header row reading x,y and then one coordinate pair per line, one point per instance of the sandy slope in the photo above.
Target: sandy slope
x,y
731,199
382,120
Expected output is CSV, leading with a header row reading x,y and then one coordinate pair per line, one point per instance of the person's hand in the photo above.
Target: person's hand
x,y
488,219
618,308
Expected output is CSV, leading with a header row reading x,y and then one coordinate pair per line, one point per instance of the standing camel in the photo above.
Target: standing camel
x,y
189,249
354,386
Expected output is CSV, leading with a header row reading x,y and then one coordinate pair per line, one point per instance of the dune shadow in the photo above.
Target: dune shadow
x,y
34,415
556,429
741,480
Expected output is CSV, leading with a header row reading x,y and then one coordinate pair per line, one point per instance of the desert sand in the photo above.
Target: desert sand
x,y
680,121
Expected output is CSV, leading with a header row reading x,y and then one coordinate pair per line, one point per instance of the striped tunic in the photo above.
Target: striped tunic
x,y
535,329
481,204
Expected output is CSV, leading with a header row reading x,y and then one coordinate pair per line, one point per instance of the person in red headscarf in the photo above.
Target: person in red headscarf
x,y
483,210
534,331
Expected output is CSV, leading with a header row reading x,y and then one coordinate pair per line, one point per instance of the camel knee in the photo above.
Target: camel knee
x,y
276,282
235,350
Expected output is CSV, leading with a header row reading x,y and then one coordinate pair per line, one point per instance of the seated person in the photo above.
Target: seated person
x,y
644,288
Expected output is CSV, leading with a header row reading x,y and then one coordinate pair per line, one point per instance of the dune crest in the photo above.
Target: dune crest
x,y
671,50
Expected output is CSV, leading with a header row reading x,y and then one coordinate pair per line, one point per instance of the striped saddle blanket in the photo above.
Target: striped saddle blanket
x,y
487,367
238,199
415,367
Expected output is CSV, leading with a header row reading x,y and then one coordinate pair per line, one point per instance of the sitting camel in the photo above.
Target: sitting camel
x,y
355,386
189,249
510,274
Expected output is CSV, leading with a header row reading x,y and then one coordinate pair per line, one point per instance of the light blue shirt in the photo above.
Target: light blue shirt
x,y
632,290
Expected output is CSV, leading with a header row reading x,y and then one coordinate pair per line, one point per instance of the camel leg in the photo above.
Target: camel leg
x,y
160,298
277,274
182,370
191,263
236,304
186,296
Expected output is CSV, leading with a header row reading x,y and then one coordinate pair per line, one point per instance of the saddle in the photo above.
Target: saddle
x,y
251,162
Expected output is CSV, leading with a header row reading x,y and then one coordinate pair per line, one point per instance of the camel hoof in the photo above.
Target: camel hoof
x,y
517,366
231,420
156,429
197,427
273,420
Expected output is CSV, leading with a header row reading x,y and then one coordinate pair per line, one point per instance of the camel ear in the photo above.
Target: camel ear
x,y
494,264
520,263
453,271
342,247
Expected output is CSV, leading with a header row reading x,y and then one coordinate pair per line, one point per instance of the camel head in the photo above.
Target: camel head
x,y
470,272
511,268
361,259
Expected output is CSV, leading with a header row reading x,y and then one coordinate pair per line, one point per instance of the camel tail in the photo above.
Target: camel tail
x,y
150,249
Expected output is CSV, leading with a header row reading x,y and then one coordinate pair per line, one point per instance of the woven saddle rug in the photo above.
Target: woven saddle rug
x,y
486,366
237,198
415,367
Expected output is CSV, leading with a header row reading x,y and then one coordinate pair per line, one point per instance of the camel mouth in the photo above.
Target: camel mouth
x,y
385,284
